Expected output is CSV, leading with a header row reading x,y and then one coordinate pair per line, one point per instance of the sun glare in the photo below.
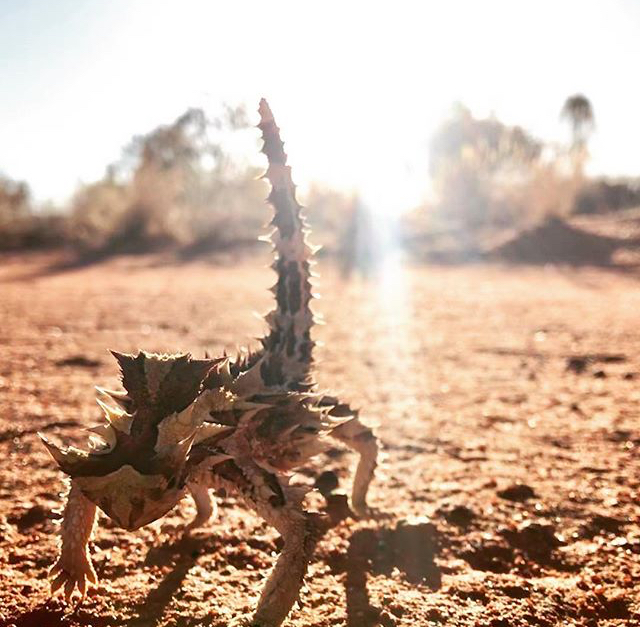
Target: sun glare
x,y
360,106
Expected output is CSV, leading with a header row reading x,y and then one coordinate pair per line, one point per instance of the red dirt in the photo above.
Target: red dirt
x,y
507,402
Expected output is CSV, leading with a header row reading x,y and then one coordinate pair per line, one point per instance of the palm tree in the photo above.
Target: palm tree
x,y
578,112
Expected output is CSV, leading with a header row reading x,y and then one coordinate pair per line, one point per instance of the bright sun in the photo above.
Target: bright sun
x,y
358,87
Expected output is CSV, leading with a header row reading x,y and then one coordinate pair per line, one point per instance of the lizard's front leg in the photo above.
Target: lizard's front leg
x,y
300,532
74,567
281,507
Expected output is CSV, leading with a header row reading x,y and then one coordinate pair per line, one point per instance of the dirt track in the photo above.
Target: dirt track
x,y
465,372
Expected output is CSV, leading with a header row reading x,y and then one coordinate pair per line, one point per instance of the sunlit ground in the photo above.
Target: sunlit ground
x,y
447,362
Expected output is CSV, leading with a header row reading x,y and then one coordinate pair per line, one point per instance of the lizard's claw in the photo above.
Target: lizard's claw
x,y
72,574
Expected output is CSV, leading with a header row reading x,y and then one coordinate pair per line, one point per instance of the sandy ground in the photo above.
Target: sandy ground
x,y
507,403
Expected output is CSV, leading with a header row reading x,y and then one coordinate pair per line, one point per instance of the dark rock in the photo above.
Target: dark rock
x,y
517,492
30,518
327,482
78,361
577,364
533,537
601,522
338,507
490,555
516,591
459,515
386,619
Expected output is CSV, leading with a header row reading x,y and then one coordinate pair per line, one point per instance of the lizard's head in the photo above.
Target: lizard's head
x,y
130,498
136,466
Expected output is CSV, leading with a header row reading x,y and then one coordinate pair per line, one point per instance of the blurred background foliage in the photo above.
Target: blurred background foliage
x,y
179,187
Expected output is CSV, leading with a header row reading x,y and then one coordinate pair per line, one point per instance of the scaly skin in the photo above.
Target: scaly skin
x,y
185,425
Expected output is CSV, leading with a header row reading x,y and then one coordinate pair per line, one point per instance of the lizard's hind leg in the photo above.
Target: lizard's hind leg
x,y
206,506
361,439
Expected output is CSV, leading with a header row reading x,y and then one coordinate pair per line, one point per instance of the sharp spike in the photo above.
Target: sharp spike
x,y
208,430
112,393
122,357
56,452
107,434
118,418
176,454
121,398
65,458
179,426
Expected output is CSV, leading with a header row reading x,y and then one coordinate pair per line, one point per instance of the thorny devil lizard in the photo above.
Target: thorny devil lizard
x,y
190,425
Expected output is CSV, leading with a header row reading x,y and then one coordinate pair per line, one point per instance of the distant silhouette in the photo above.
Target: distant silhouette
x,y
360,246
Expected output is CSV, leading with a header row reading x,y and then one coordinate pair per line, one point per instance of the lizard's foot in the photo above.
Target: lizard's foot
x,y
194,525
248,620
363,511
72,574
187,531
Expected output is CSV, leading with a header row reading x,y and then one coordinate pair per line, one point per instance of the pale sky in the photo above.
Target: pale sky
x,y
356,87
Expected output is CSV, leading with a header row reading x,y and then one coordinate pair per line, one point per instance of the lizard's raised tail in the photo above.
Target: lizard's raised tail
x,y
286,357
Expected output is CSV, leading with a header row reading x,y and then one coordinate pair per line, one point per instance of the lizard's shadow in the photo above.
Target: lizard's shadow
x,y
409,548
52,614
183,552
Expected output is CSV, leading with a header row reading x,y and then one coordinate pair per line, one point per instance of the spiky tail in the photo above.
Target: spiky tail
x,y
288,346
287,351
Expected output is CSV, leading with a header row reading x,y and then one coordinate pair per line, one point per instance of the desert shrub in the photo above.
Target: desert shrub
x,y
490,175
600,196
14,199
42,230
96,211
176,186
20,225
545,191
181,187
15,211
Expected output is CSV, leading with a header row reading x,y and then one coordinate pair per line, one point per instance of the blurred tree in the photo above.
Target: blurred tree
x,y
328,211
14,199
97,210
497,145
174,185
470,159
21,226
15,211
578,112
